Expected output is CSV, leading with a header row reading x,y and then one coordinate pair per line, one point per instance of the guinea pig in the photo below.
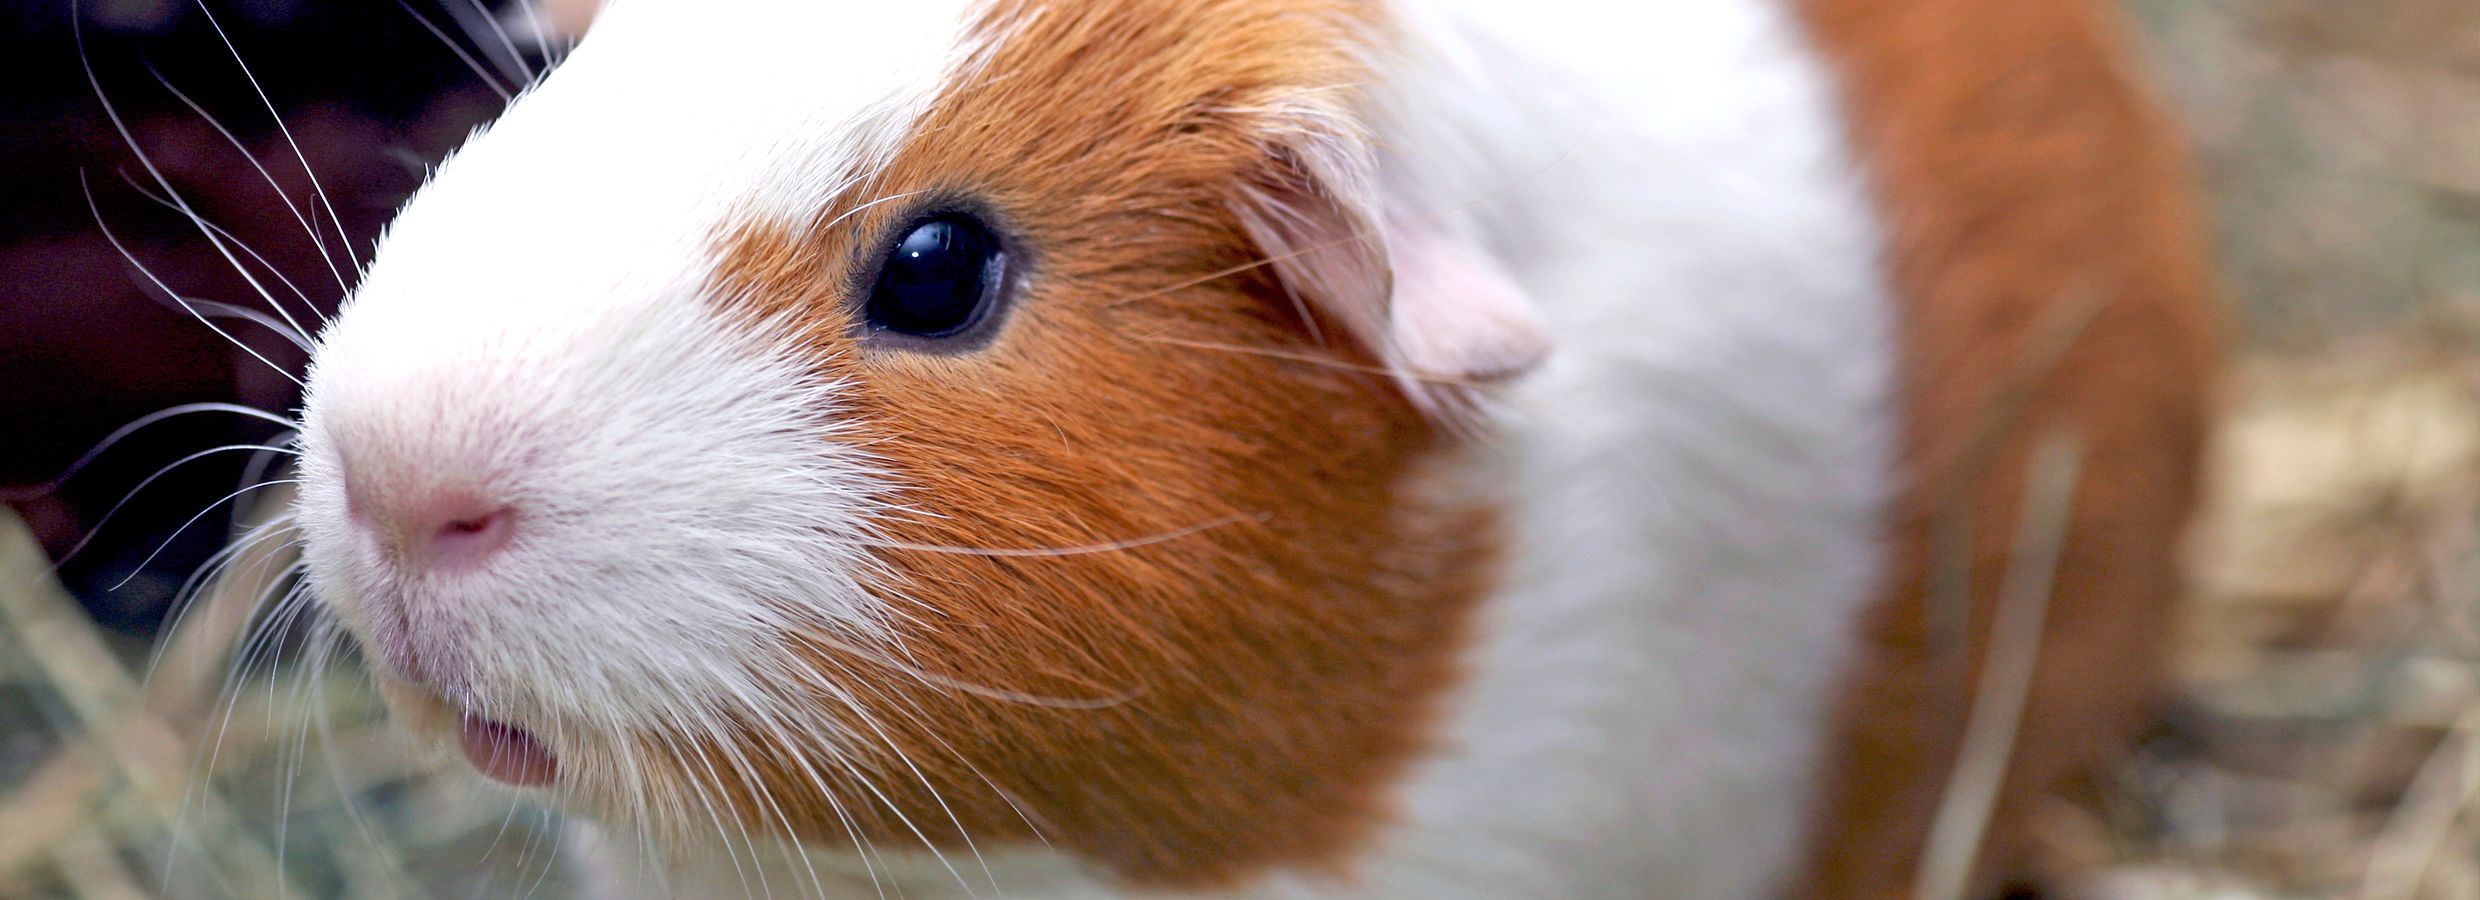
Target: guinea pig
x,y
1404,448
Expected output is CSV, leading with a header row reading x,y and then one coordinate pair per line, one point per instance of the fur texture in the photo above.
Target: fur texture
x,y
2047,255
1430,449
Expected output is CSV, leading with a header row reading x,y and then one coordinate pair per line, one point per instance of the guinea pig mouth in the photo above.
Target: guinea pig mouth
x,y
502,752
506,753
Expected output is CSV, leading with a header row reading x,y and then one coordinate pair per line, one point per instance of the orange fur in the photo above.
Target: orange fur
x,y
1261,680
2032,196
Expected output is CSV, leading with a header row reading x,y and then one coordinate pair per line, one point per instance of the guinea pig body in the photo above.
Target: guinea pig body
x,y
1286,448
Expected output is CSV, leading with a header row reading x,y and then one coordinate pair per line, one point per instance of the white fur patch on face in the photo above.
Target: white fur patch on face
x,y
537,329
679,494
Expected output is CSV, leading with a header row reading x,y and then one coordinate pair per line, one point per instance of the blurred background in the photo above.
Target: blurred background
x,y
2324,741
207,772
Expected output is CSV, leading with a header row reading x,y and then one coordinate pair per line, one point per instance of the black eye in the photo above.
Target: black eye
x,y
940,279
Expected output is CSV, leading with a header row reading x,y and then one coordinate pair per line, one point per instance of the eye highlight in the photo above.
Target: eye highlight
x,y
939,280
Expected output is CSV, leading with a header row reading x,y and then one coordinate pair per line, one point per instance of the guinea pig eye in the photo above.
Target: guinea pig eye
x,y
941,278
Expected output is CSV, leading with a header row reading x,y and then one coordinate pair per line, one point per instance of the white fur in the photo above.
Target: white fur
x,y
535,328
1702,461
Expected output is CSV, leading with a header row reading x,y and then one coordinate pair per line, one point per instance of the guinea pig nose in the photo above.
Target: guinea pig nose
x,y
449,529
468,535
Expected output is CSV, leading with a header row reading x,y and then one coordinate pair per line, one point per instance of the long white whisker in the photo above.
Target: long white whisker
x,y
230,701
132,258
290,747
123,432
706,799
551,857
465,16
221,309
871,722
265,631
317,241
889,803
914,712
193,520
142,485
934,679
857,210
221,233
256,470
216,568
748,779
325,639
1074,550
552,54
818,783
344,241
147,161
489,78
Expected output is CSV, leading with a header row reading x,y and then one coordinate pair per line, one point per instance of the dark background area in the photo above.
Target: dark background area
x,y
88,343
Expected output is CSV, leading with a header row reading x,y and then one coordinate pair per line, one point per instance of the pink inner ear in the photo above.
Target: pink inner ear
x,y
1437,308
1455,315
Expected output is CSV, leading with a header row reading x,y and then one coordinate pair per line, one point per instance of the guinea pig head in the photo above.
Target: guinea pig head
x,y
925,427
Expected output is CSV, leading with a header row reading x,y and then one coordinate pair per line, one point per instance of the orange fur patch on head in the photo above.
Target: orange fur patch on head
x,y
2049,276
1261,673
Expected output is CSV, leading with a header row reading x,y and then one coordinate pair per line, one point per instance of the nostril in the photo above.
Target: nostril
x,y
469,539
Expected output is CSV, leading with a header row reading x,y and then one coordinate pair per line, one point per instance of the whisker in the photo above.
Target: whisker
x,y
913,710
818,783
265,632
142,484
285,328
147,161
291,747
229,311
317,241
1313,359
889,803
489,79
500,835
325,639
871,722
465,14
256,545
1076,550
256,470
704,798
133,427
934,679
541,34
857,210
132,258
748,780
551,857
344,241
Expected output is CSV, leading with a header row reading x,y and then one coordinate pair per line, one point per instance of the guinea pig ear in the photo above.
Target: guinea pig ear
x,y
1432,304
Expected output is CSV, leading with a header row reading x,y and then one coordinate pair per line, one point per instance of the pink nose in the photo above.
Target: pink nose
x,y
468,535
440,529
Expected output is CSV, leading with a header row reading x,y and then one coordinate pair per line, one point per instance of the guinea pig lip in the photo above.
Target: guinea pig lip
x,y
506,753
500,750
